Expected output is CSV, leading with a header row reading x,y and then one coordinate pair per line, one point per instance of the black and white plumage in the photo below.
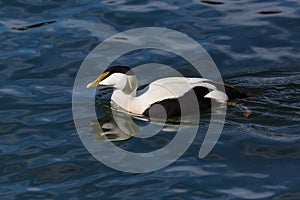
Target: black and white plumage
x,y
171,93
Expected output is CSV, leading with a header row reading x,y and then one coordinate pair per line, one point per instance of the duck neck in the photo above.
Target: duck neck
x,y
125,96
124,100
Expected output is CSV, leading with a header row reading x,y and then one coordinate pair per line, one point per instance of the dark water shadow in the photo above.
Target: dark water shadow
x,y
32,26
212,2
269,12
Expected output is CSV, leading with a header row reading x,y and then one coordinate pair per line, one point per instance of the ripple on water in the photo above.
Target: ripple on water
x,y
275,109
256,47
275,151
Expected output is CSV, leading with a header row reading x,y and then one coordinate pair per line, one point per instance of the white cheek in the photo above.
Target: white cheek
x,y
120,84
116,80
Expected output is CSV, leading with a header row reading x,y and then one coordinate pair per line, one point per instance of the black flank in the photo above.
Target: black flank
x,y
186,103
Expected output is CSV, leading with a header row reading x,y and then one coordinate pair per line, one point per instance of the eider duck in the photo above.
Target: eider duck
x,y
170,93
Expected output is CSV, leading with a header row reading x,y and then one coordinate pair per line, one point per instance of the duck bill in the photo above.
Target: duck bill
x,y
93,84
96,82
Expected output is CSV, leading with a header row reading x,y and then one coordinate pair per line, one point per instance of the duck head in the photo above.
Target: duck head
x,y
118,77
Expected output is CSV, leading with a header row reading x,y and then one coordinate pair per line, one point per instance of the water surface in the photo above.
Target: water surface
x,y
255,45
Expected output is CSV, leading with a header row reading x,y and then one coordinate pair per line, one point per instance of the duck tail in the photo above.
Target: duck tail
x,y
234,93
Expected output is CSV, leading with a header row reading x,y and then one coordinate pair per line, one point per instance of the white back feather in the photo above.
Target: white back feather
x,y
217,95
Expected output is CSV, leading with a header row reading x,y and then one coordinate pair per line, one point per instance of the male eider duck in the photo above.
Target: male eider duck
x,y
170,93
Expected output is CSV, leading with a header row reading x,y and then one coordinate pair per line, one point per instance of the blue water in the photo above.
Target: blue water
x,y
255,45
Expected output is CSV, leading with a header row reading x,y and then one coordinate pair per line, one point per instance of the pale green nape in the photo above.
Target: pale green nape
x,y
131,84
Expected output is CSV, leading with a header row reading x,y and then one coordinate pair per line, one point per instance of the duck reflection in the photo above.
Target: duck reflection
x,y
114,126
